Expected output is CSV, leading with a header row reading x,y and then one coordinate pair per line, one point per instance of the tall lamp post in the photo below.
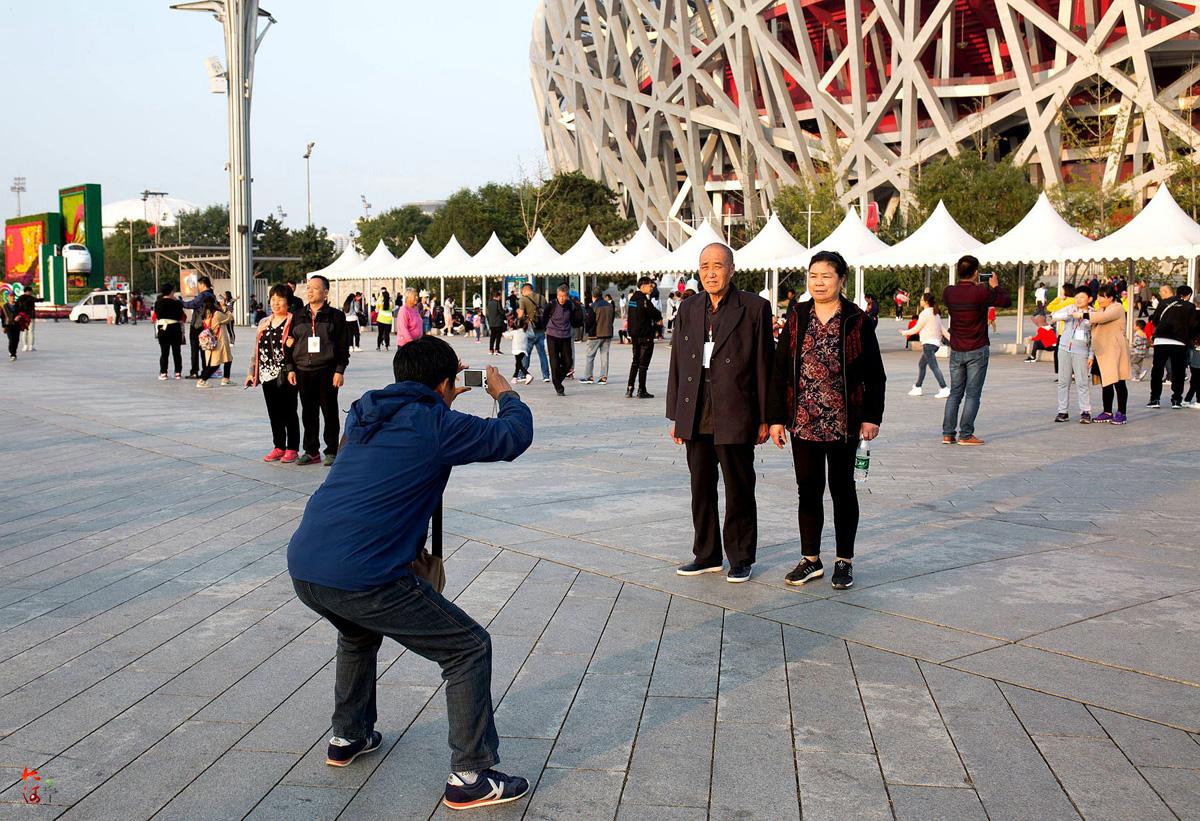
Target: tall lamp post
x,y
239,19
308,179
18,188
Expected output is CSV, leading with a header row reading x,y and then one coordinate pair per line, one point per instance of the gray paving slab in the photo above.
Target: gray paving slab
x,y
688,661
836,785
602,723
1100,780
753,773
937,804
1179,789
673,756
1042,714
564,793
827,713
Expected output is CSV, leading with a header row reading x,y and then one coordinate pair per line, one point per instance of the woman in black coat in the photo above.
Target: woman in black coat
x,y
827,392
168,323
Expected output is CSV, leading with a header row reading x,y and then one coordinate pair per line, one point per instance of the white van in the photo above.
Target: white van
x,y
98,305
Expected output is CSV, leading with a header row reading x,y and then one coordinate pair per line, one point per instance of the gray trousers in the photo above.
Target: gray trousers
x,y
1074,364
597,351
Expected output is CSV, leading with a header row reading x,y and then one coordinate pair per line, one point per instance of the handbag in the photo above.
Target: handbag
x,y
429,565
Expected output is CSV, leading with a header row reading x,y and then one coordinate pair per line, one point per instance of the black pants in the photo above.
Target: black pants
x,y
1118,389
209,371
740,533
319,398
354,332
170,343
495,337
385,335
810,460
1194,386
194,344
14,339
643,352
560,352
280,396
1177,355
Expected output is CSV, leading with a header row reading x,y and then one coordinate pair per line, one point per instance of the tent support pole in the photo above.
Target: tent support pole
x,y
1131,312
1020,307
441,289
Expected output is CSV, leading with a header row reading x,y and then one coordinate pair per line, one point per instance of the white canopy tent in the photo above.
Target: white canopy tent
x,y
940,241
587,256
638,256
766,252
539,253
450,261
349,258
493,260
379,265
414,257
686,258
853,240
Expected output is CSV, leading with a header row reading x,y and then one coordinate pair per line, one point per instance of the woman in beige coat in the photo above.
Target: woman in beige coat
x,y
219,324
1111,353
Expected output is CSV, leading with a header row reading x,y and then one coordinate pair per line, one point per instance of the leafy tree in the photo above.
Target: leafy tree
x,y
313,246
819,194
1094,210
570,202
116,254
203,226
472,216
985,197
396,227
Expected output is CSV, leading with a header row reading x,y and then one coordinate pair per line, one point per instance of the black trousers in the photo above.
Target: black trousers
x,y
194,344
560,352
1194,386
354,332
810,460
14,339
170,343
385,335
1118,389
280,396
495,338
1177,355
209,371
319,399
643,352
740,533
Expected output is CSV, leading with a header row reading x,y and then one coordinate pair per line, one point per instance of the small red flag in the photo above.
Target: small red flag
x,y
151,229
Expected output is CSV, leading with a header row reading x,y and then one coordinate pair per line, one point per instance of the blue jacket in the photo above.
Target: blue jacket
x,y
367,521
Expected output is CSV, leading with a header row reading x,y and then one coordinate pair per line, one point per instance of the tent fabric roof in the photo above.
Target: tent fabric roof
x,y
853,240
1041,236
414,256
587,256
686,258
380,264
771,245
537,253
349,258
636,256
939,241
450,261
493,259
1161,230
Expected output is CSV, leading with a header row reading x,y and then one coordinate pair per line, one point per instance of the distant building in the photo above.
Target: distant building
x,y
428,207
340,241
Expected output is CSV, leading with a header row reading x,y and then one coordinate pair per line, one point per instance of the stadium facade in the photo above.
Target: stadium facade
x,y
679,104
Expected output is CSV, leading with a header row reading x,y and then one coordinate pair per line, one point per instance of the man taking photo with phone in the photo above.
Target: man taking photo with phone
x,y
359,576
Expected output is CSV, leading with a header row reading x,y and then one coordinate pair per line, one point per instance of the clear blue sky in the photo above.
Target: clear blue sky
x,y
406,100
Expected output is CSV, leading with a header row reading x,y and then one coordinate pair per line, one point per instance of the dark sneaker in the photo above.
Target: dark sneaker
x,y
807,570
586,381
1153,403
341,752
1103,417
695,569
644,395
309,459
560,391
490,787
738,574
1175,403
330,458
1062,417
1120,419
843,576
629,393
1085,418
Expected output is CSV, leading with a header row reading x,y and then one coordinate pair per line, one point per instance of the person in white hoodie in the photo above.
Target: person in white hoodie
x,y
930,331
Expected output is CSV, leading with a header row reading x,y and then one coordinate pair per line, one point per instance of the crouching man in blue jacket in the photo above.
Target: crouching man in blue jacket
x,y
350,558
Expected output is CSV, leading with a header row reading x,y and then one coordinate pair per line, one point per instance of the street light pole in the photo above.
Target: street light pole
x,y
308,179
239,19
18,187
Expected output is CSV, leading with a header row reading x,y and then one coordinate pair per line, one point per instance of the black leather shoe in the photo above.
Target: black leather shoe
x,y
644,395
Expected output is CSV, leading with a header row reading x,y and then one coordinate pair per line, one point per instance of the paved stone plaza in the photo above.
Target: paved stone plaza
x,y
1021,642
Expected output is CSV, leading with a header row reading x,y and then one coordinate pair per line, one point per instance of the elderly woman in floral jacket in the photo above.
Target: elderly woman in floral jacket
x,y
266,369
827,392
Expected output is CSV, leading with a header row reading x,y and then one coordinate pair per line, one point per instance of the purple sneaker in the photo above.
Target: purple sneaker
x,y
1103,417
1120,419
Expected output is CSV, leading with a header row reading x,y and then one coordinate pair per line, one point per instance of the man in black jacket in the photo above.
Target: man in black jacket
x,y
565,314
717,388
494,314
315,357
196,305
1174,327
643,321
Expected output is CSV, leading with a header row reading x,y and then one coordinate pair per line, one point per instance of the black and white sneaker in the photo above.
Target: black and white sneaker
x,y
739,574
807,570
1176,404
489,787
1153,403
843,576
695,569
341,752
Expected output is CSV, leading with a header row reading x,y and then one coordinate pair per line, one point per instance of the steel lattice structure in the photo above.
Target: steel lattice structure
x,y
677,103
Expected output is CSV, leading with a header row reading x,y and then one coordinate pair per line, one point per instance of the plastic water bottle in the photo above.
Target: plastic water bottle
x,y
862,461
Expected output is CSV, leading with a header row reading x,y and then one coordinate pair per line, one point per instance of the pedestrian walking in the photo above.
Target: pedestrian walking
x,y
26,304
1110,353
352,330
599,337
1175,323
532,313
717,385
267,370
168,328
644,320
497,323
516,341
217,344
383,321
967,303
409,324
359,575
15,322
827,392
315,361
930,331
1075,357
564,315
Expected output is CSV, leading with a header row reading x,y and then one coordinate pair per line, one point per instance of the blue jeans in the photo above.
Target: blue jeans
x,y
418,617
537,339
929,358
968,369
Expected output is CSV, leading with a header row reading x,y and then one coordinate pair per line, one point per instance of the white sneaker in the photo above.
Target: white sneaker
x,y
942,394
224,383
528,378
916,391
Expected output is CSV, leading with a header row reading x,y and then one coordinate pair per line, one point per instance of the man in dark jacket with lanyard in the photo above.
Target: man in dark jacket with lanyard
x,y
1174,328
643,323
196,305
717,389
356,570
315,357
